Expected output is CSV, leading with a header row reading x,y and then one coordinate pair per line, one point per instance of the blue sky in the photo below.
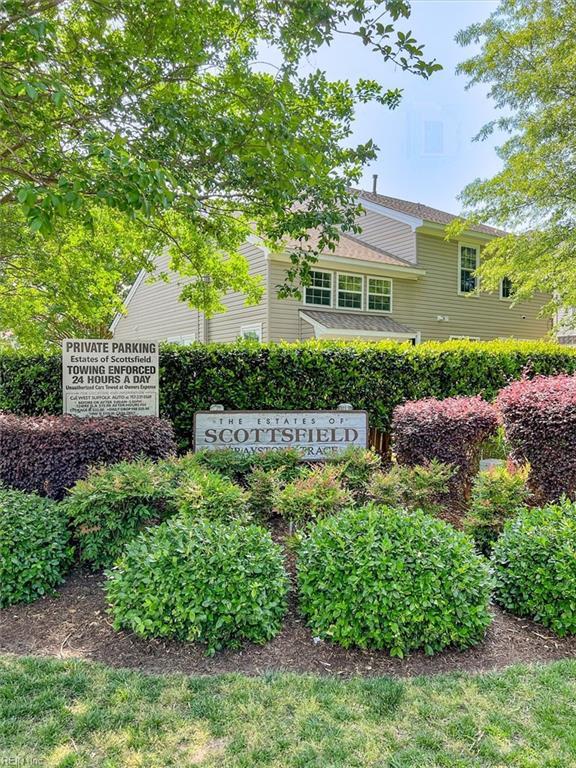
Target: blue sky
x,y
426,149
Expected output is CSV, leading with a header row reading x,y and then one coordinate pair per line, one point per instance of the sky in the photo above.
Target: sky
x,y
426,150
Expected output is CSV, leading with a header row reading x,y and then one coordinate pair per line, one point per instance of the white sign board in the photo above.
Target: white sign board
x,y
316,433
104,377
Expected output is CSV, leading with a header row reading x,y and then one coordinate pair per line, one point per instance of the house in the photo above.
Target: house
x,y
399,279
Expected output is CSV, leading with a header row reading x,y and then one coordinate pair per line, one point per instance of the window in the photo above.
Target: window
x,y
466,338
467,281
251,332
379,294
506,289
350,291
320,289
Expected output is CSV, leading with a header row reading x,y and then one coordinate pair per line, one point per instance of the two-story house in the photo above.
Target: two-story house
x,y
399,279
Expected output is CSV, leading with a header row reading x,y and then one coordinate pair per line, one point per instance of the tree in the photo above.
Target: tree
x,y
163,111
527,58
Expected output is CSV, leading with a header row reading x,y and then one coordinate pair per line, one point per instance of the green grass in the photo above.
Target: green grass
x,y
73,713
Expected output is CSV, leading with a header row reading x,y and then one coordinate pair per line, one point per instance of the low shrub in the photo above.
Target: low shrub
x,y
451,431
497,496
540,421
418,487
210,495
534,563
48,454
112,504
377,577
263,488
237,466
35,546
357,468
214,583
316,494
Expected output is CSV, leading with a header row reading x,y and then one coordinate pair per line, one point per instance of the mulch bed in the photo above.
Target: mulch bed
x,y
75,624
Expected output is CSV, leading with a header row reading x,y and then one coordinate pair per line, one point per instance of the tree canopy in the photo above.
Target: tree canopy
x,y
527,57
192,120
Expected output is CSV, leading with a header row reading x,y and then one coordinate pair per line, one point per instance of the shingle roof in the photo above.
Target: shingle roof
x,y
356,321
349,247
421,211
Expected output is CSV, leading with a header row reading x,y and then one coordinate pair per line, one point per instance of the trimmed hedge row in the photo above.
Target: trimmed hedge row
x,y
314,374
49,454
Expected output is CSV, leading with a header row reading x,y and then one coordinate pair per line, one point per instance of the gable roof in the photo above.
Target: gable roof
x,y
421,211
349,247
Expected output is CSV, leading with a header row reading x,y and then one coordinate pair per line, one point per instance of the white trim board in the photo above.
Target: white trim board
x,y
135,285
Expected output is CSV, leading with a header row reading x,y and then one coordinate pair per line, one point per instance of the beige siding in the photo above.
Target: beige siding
x,y
418,304
393,236
226,326
155,312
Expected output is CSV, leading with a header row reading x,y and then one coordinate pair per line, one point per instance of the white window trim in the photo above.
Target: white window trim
x,y
502,297
361,292
388,280
185,338
461,245
465,338
249,328
311,303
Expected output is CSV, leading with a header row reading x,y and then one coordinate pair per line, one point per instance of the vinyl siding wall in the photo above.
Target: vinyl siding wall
x,y
226,326
155,313
417,303
392,236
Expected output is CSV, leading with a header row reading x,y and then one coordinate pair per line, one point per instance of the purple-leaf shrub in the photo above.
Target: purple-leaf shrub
x,y
48,454
451,431
539,418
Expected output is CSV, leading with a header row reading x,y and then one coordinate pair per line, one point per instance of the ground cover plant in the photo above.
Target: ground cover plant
x,y
219,584
48,454
84,715
535,566
451,431
498,495
540,421
35,549
384,578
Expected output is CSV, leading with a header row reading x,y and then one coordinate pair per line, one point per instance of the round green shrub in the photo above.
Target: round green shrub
x,y
113,504
383,578
205,581
34,546
534,564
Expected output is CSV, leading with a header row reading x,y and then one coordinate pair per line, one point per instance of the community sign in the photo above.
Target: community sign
x,y
103,377
317,434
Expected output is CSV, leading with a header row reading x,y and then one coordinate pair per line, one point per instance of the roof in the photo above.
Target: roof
x,y
425,212
356,321
349,247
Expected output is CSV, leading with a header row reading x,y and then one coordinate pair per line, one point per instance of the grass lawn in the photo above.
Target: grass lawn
x,y
72,713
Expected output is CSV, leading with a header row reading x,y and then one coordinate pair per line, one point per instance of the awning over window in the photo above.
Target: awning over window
x,y
356,324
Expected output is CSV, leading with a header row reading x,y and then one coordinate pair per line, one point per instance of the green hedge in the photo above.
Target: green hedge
x,y
374,376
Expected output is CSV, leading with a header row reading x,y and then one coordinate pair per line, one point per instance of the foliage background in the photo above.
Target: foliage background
x,y
371,376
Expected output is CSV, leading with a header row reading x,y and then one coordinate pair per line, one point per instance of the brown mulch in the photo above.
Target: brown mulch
x,y
75,624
